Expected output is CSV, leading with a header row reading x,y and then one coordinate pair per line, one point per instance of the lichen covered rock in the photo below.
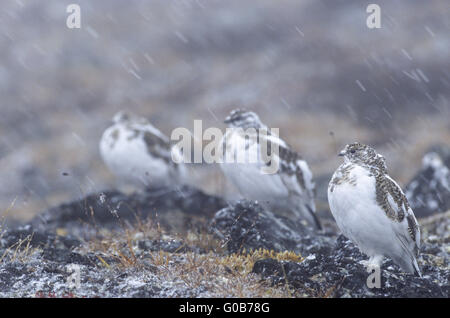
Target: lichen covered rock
x,y
340,274
247,225
248,252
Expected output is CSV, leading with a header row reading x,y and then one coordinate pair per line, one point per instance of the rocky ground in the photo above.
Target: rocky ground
x,y
311,68
183,243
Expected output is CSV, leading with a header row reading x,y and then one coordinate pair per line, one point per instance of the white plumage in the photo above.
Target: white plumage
x,y
371,210
138,153
289,191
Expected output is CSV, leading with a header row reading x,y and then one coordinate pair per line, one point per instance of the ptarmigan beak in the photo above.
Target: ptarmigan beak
x,y
342,153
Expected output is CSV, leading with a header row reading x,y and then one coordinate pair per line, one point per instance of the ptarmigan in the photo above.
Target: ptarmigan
x,y
288,191
371,210
138,153
429,191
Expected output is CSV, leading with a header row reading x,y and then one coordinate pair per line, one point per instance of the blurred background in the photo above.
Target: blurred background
x,y
311,68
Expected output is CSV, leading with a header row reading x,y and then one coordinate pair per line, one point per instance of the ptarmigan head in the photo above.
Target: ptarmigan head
x,y
361,154
239,118
122,117
126,117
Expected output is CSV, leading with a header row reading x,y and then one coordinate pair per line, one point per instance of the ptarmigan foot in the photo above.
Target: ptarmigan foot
x,y
373,261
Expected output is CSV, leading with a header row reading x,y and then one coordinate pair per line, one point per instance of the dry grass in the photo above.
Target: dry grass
x,y
20,250
221,274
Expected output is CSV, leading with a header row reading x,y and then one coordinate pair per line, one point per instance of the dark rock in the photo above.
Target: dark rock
x,y
37,238
110,209
10,272
429,190
188,199
64,256
171,246
247,225
340,274
268,268
102,208
147,291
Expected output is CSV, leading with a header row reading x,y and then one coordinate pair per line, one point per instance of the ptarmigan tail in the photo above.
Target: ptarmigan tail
x,y
407,260
313,218
416,268
408,264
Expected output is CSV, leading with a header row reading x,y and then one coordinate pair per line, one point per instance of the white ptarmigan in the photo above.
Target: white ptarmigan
x,y
289,191
138,153
371,210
